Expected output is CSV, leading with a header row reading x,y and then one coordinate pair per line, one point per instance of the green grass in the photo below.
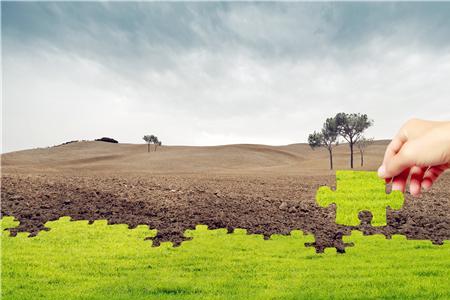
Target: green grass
x,y
75,260
357,191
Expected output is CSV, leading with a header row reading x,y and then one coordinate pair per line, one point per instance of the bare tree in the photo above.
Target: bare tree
x,y
351,128
362,144
327,138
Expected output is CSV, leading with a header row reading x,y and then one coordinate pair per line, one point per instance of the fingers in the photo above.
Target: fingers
x,y
401,161
432,174
399,182
420,150
420,177
415,183
392,149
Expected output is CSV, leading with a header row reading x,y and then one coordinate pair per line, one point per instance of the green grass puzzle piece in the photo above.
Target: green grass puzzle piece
x,y
357,191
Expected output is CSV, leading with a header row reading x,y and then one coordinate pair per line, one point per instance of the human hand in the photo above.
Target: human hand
x,y
421,150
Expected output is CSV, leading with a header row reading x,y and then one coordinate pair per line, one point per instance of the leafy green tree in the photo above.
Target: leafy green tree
x,y
351,127
362,144
156,142
327,138
149,139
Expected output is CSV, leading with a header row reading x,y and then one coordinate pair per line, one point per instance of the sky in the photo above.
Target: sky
x,y
217,73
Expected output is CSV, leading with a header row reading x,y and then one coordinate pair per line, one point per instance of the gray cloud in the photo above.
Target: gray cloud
x,y
209,73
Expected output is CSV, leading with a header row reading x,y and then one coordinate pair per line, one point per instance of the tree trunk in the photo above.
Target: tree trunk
x,y
330,151
148,147
351,153
155,147
362,157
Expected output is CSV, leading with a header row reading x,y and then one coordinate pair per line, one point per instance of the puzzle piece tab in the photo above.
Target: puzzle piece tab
x,y
358,191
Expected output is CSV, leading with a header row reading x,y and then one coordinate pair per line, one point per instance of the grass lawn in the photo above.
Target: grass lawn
x,y
357,191
75,260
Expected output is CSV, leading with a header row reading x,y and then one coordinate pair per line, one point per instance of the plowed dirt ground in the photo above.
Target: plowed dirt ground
x,y
264,189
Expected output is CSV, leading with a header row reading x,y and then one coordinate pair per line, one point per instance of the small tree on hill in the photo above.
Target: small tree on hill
x,y
362,144
327,138
351,128
149,139
156,142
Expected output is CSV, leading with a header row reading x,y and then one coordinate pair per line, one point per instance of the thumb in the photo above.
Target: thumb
x,y
401,161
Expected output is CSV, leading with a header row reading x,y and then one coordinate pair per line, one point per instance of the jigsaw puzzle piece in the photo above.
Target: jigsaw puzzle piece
x,y
358,191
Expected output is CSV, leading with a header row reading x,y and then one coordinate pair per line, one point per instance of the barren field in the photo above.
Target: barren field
x,y
263,189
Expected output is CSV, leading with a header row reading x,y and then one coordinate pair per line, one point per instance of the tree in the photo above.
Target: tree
x,y
149,139
351,128
156,142
327,138
362,144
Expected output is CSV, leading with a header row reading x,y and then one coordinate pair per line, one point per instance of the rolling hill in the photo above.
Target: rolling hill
x,y
240,158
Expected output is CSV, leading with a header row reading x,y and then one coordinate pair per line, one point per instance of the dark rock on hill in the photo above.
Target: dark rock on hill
x,y
107,139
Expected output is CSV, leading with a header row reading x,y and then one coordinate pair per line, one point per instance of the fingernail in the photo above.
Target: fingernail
x,y
397,187
415,191
382,171
426,185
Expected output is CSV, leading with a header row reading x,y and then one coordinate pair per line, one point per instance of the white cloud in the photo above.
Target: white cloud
x,y
207,95
211,99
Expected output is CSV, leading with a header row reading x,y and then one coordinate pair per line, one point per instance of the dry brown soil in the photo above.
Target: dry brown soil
x,y
264,189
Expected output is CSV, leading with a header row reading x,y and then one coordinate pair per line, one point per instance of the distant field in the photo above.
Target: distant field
x,y
229,159
75,260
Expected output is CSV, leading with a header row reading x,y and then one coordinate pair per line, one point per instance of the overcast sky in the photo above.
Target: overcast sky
x,y
218,73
